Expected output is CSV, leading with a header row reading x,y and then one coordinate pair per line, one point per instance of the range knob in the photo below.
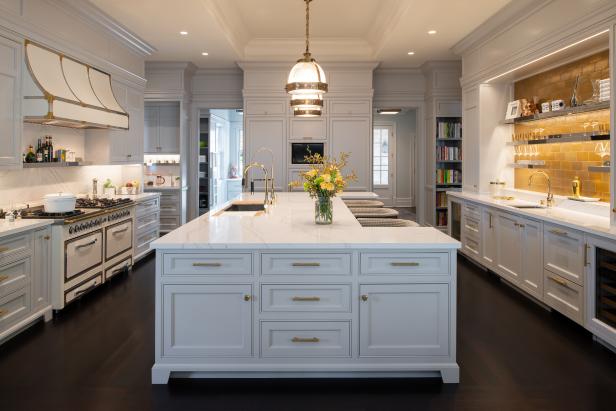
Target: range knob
x,y
70,230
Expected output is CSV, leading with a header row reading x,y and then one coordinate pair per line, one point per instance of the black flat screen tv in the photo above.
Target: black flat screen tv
x,y
300,150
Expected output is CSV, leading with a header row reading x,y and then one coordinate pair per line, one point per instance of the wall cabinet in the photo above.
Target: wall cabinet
x,y
267,132
307,129
10,103
353,135
162,129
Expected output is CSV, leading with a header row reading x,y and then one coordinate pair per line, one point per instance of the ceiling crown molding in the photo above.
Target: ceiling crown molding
x,y
91,14
385,23
229,20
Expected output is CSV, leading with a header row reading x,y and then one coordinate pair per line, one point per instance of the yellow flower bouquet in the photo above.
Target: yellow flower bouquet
x,y
323,180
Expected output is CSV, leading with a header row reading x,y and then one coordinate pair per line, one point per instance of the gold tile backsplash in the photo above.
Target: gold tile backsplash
x,y
564,161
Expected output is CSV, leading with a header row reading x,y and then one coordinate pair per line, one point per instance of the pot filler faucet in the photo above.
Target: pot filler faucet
x,y
550,199
268,199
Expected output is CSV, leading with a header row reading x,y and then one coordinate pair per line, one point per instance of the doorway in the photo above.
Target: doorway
x,y
383,162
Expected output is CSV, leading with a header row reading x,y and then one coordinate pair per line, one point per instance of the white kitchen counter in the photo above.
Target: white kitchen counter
x,y
290,224
19,226
139,197
589,223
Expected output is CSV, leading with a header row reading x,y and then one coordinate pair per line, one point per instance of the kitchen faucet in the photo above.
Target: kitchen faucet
x,y
268,198
550,199
271,174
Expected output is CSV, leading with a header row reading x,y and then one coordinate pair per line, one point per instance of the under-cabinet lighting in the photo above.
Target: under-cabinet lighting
x,y
184,33
547,55
432,32
388,111
411,53
205,53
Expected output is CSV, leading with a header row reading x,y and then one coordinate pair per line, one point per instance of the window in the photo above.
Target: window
x,y
380,156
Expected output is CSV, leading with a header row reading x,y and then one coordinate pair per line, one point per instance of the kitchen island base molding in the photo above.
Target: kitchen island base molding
x,y
450,374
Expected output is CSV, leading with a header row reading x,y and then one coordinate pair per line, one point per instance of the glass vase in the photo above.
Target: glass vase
x,y
323,210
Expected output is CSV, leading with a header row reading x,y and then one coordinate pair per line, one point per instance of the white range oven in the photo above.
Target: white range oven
x,y
601,290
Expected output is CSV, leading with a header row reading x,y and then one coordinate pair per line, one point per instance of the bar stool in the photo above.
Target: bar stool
x,y
386,222
363,203
373,212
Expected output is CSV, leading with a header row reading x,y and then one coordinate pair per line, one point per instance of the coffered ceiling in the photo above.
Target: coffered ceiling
x,y
272,30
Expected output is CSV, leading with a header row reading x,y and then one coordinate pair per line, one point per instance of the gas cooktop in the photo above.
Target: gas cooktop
x,y
101,202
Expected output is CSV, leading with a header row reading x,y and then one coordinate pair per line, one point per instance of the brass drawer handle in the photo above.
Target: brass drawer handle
x,y
3,278
46,237
2,313
86,244
364,297
305,340
207,265
560,282
4,249
247,297
559,232
120,231
404,264
306,298
306,264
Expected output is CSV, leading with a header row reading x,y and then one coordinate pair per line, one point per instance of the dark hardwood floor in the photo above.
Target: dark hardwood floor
x,y
513,355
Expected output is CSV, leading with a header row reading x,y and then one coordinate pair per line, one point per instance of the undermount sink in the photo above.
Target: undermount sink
x,y
528,206
245,207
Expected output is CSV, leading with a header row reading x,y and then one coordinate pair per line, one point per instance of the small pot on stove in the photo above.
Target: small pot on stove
x,y
59,202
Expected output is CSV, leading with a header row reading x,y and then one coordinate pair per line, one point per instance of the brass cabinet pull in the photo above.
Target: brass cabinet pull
x,y
2,312
306,264
86,244
4,249
120,231
3,278
521,225
490,220
47,237
559,232
364,297
559,281
305,340
247,297
586,262
404,264
315,298
207,265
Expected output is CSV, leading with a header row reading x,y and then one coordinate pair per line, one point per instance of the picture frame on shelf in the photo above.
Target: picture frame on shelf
x,y
514,110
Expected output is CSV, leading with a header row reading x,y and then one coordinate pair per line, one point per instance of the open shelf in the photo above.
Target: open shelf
x,y
604,105
562,138
534,164
58,164
599,169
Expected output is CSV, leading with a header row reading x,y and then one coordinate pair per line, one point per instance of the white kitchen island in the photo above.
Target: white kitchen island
x,y
249,294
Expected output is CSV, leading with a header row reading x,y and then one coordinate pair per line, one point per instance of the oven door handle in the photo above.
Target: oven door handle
x,y
119,231
85,290
86,244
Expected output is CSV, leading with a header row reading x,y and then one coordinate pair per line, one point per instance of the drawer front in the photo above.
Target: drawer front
x,y
470,244
13,246
14,307
169,198
146,207
564,296
349,107
305,339
121,266
471,225
170,209
169,223
305,298
472,210
262,107
204,264
83,254
119,238
143,241
83,288
147,222
301,264
564,252
405,263
15,275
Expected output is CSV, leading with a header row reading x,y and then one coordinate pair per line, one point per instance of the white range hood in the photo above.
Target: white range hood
x,y
61,91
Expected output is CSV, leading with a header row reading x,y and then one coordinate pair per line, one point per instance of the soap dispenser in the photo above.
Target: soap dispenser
x,y
576,186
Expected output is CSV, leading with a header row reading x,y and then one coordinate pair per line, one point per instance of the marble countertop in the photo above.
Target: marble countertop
x,y
139,197
590,223
289,224
19,226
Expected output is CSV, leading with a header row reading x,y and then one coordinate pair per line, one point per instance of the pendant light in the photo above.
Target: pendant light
x,y
307,83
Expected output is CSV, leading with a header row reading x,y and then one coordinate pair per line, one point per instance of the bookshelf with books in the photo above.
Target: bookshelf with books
x,y
448,157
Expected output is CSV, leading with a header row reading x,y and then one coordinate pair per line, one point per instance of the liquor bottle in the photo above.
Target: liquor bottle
x,y
46,149
39,152
30,156
50,150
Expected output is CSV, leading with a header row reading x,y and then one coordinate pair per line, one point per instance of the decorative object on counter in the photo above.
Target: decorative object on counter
x,y
574,98
514,110
175,181
496,188
604,90
558,105
232,171
30,157
576,186
306,83
323,181
603,150
528,108
108,188
160,180
545,107
59,202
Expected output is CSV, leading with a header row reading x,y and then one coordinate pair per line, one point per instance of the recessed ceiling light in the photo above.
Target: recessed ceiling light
x,y
388,111
184,33
205,53
432,32
411,53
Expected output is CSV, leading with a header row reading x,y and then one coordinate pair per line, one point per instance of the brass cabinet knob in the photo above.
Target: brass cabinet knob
x,y
3,278
247,297
47,237
364,297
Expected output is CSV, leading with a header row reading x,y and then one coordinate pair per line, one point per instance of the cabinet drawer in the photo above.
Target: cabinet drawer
x,y
471,225
470,244
15,275
564,252
122,266
146,207
83,288
349,107
14,307
405,263
170,209
305,339
204,264
167,198
299,264
305,298
83,254
147,222
564,296
169,223
13,246
143,241
471,210
118,239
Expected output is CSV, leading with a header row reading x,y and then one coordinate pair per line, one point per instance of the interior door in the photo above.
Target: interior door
x,y
383,158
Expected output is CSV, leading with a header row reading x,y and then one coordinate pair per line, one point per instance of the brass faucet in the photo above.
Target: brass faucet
x,y
268,200
550,199
271,174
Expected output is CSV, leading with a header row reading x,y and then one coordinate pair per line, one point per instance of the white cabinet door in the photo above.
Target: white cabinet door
x,y
169,129
531,274
352,135
508,247
564,252
307,129
150,136
488,237
10,103
41,291
422,330
267,132
207,320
